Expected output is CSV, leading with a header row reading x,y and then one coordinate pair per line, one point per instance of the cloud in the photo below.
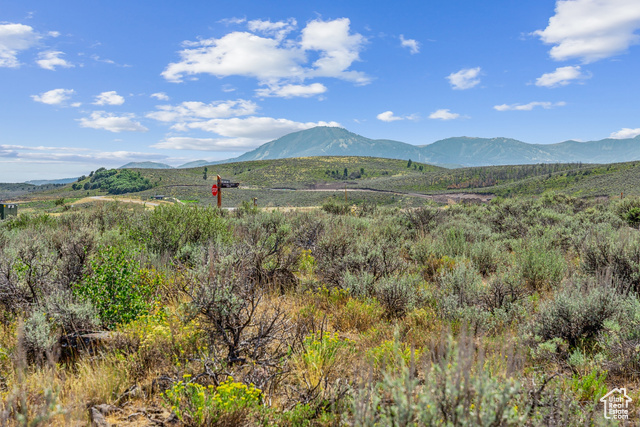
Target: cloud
x,y
272,57
561,77
54,96
161,96
591,29
112,122
388,116
291,91
337,47
258,128
232,21
530,106
277,29
236,134
193,110
625,133
444,114
109,98
465,78
412,45
13,39
71,154
207,144
50,59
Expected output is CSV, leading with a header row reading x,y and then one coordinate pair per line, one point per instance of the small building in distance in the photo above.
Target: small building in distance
x,y
159,197
7,210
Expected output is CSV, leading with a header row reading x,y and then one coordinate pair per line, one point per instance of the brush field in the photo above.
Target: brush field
x,y
520,311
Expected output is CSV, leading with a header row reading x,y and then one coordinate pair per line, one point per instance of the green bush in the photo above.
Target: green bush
x,y
628,210
117,287
168,228
335,207
540,264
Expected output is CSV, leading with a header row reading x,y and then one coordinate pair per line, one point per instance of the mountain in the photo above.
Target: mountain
x,y
196,164
450,152
51,181
483,151
330,141
145,165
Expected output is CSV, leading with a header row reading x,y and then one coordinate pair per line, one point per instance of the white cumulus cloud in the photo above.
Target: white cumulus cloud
x,y
268,54
195,110
235,134
109,98
50,59
465,78
13,39
561,77
258,128
591,29
530,106
388,116
292,90
112,122
161,96
411,44
54,96
443,114
625,133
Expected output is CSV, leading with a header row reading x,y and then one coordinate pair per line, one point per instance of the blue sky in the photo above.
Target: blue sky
x,y
85,84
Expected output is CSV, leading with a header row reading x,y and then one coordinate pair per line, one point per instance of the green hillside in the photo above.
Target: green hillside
x,y
310,181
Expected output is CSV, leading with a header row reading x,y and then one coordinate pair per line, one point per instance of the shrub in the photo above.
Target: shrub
x,y
195,404
578,312
485,256
39,336
315,363
117,287
540,264
454,391
616,253
231,301
423,219
397,295
336,208
628,210
457,289
168,228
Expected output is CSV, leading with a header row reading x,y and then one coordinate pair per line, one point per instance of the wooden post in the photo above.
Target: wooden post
x,y
219,193
255,201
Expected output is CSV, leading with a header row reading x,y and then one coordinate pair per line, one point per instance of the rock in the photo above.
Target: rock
x,y
106,409
97,419
172,419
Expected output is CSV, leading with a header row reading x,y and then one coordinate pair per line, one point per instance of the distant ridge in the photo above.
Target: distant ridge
x,y
458,151
51,181
145,165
